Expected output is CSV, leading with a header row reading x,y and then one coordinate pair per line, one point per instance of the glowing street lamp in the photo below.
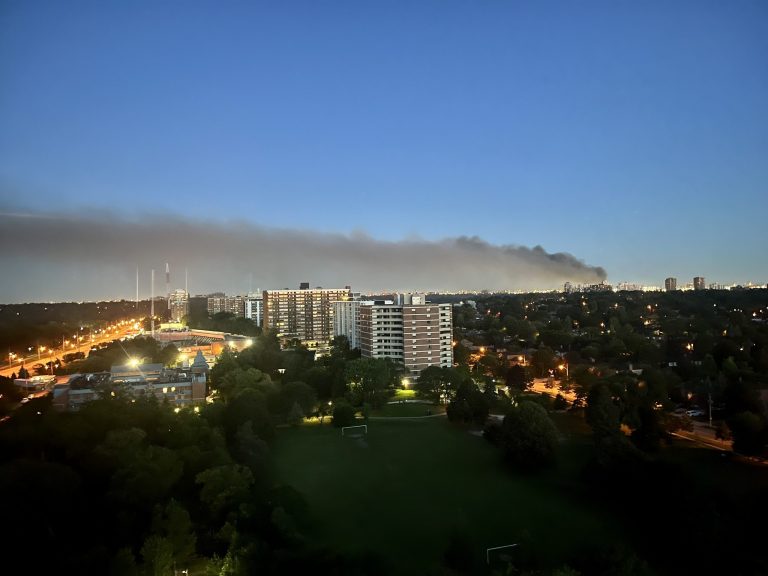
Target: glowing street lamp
x,y
133,362
564,367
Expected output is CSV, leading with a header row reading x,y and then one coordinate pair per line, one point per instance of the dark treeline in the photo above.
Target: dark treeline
x,y
221,322
129,486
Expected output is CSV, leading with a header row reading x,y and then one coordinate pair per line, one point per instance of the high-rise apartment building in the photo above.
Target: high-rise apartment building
x,y
231,304
178,303
253,308
698,283
411,331
345,319
305,315
670,284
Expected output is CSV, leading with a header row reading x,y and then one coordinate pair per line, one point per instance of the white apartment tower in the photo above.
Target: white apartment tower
x,y
253,308
345,319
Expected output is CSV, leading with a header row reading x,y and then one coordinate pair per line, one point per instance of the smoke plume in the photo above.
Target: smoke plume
x,y
92,256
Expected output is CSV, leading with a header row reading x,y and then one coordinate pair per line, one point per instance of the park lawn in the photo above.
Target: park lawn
x,y
411,483
402,394
408,409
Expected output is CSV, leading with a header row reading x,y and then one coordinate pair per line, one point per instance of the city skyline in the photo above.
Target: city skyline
x,y
617,138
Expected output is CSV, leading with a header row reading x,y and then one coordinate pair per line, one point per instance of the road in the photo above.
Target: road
x,y
33,359
702,434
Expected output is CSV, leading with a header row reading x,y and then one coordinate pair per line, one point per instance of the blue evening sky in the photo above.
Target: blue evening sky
x,y
633,135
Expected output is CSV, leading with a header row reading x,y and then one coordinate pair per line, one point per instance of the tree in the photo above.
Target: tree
x,y
518,378
253,452
542,361
528,436
469,404
123,563
602,413
438,384
296,415
343,414
225,363
236,381
299,393
23,372
749,433
224,488
157,553
371,380
175,525
248,405
319,379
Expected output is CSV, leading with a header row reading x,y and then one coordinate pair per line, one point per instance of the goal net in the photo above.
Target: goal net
x,y
355,431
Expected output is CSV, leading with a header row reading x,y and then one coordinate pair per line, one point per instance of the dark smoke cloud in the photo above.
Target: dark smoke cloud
x,y
54,257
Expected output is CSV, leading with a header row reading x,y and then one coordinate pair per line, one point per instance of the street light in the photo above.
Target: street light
x,y
565,367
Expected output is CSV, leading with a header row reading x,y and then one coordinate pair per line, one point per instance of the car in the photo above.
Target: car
x,y
24,400
695,412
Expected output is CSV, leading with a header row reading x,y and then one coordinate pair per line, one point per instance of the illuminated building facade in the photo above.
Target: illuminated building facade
x,y
411,331
305,314
178,305
231,304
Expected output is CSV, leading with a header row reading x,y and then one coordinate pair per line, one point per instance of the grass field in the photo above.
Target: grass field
x,y
408,409
411,483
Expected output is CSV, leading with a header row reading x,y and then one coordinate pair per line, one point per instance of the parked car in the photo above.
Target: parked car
x,y
695,412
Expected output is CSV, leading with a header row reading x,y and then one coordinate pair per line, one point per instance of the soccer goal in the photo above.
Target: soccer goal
x,y
355,431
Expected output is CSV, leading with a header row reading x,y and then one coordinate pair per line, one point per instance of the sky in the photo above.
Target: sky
x,y
522,144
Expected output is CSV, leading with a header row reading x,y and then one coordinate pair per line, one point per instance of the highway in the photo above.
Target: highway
x,y
48,356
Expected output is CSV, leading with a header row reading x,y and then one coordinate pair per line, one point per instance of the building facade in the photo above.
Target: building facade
x,y
411,331
178,304
253,308
305,314
699,283
380,330
670,284
346,318
180,387
231,304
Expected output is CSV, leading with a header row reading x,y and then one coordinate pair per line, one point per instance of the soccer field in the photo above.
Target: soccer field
x,y
403,489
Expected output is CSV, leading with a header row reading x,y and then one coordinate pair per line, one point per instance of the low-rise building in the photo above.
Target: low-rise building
x,y
179,387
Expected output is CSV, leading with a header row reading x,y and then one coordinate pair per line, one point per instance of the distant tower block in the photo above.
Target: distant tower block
x,y
699,283
670,284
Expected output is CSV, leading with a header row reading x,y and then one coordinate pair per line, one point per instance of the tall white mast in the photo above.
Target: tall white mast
x,y
152,304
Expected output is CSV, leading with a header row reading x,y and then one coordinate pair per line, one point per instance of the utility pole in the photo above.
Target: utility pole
x,y
152,304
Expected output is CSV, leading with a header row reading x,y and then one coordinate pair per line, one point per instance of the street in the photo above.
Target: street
x,y
702,434
48,356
